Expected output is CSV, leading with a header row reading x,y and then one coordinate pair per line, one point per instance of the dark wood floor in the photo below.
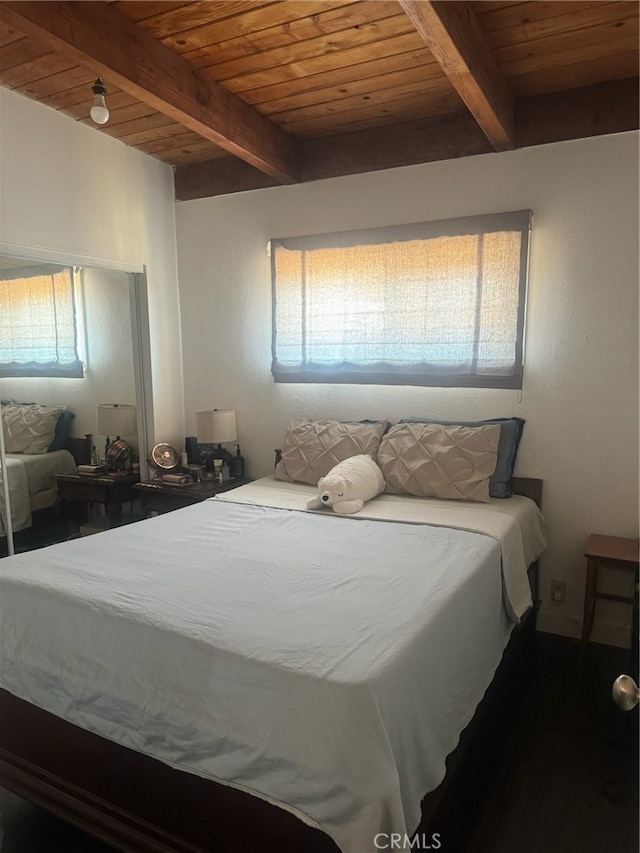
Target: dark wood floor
x,y
567,782
570,779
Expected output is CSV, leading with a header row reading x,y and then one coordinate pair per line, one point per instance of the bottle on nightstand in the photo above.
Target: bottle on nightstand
x,y
237,468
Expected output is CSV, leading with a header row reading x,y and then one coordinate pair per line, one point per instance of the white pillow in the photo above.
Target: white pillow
x,y
29,428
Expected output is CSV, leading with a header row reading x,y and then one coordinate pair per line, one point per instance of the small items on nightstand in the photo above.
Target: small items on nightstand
x,y
166,496
237,468
92,469
176,479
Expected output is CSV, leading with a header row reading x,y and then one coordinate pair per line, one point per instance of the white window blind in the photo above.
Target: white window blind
x,y
38,322
436,303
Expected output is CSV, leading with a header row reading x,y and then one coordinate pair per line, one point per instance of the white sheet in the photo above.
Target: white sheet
x,y
323,663
517,523
32,484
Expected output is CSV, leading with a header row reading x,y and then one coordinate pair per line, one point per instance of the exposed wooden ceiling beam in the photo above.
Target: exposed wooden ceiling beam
x,y
611,107
390,146
347,154
221,176
453,35
114,47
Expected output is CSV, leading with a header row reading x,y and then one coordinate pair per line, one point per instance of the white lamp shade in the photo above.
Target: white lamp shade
x,y
217,426
116,419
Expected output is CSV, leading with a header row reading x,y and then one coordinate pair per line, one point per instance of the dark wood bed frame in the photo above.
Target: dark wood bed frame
x,y
137,803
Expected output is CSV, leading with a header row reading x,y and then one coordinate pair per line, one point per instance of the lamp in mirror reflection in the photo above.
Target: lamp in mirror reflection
x,y
99,111
117,419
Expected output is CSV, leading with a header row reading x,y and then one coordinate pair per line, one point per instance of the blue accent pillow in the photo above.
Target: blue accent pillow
x,y
510,435
63,431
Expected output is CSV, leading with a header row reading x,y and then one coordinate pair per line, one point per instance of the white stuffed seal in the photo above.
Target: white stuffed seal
x,y
348,485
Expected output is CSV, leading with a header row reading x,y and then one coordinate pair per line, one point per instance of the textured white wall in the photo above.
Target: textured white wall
x,y
580,396
68,188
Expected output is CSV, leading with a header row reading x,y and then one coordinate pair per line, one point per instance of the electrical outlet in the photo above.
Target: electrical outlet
x,y
558,591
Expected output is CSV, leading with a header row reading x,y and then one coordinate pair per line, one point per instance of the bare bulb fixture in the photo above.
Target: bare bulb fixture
x,y
99,112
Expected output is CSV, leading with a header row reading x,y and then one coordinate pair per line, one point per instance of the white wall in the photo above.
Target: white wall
x,y
68,188
580,396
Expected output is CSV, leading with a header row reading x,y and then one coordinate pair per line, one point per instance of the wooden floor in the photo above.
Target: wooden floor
x,y
568,780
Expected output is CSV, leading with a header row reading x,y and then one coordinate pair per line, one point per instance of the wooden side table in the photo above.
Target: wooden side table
x,y
156,496
605,552
112,490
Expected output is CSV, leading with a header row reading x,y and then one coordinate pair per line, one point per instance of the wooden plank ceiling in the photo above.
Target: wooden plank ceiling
x,y
240,95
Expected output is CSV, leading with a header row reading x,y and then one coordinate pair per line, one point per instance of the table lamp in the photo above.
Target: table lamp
x,y
217,427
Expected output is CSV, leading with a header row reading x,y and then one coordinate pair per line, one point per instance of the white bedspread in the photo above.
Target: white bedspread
x,y
323,663
517,524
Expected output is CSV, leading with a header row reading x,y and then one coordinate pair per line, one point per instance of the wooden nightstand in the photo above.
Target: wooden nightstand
x,y
605,552
165,497
111,490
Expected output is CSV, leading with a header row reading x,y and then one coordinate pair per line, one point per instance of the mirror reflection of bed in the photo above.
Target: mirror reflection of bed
x,y
105,305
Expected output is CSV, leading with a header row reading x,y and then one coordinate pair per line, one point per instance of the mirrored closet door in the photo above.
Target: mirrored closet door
x,y
73,342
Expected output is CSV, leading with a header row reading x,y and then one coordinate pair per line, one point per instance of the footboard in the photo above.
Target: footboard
x,y
131,800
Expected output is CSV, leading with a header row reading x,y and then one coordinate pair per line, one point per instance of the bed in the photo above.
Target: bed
x,y
38,447
245,672
32,485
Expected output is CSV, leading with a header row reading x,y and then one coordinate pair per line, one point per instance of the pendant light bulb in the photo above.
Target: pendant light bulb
x,y
99,112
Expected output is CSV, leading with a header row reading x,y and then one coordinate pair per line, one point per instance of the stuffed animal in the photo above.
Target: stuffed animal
x,y
348,485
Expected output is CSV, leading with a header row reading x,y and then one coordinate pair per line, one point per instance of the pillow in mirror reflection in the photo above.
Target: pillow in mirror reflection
x,y
119,454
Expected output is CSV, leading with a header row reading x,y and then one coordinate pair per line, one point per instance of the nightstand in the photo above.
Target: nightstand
x,y
605,552
157,496
111,490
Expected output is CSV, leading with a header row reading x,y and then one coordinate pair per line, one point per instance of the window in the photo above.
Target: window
x,y
433,303
38,334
